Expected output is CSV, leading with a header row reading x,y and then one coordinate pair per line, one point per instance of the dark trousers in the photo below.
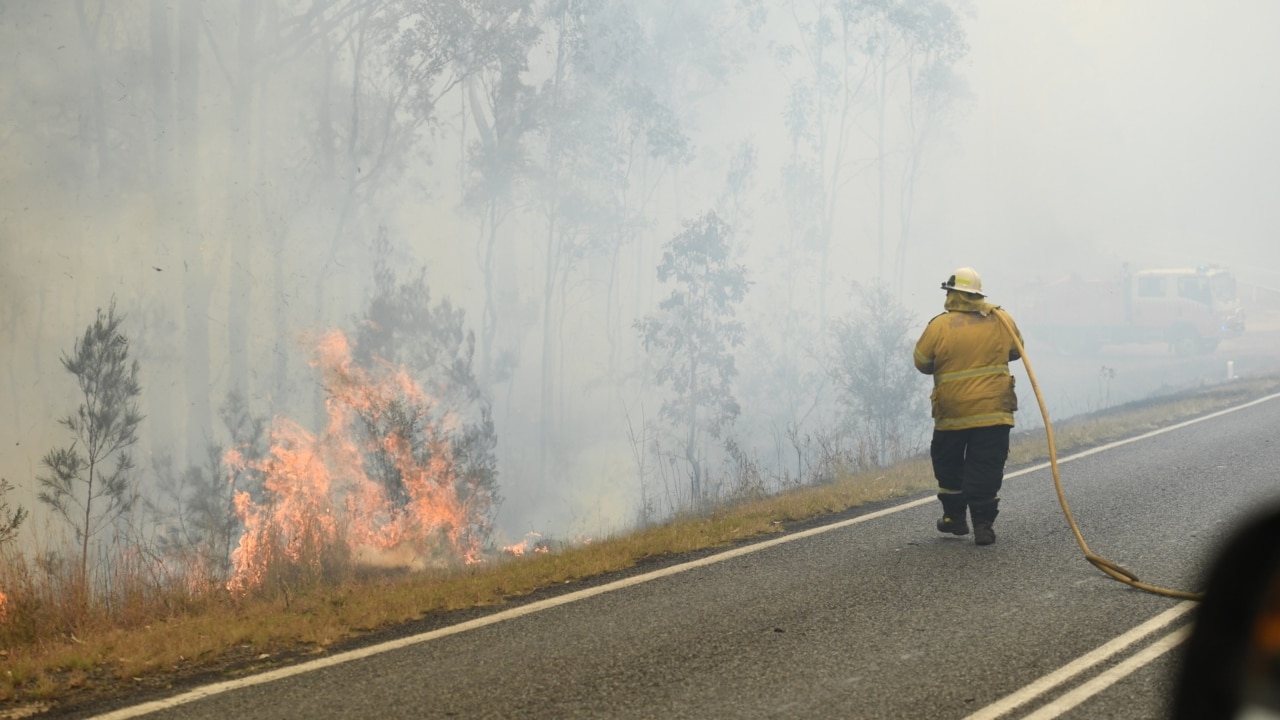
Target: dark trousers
x,y
969,466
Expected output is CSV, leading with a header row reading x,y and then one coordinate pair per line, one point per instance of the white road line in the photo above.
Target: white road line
x,y
1080,665
1107,679
1144,436
345,657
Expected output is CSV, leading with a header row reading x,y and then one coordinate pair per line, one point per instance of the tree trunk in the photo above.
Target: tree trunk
x,y
489,319
281,346
238,208
88,517
163,315
96,132
691,444
195,283
545,419
880,164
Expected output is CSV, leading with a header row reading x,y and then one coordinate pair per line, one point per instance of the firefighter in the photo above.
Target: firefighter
x,y
967,350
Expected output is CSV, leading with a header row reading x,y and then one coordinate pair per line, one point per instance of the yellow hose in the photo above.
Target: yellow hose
x,y
1106,566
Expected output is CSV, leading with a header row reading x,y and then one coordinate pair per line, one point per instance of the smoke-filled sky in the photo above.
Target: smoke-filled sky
x,y
1138,131
226,175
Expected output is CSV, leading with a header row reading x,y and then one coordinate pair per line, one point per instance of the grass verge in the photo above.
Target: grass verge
x,y
220,637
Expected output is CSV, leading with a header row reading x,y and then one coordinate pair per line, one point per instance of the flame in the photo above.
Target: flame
x,y
532,542
319,495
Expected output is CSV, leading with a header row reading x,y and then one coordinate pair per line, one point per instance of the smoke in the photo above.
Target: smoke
x,y
227,176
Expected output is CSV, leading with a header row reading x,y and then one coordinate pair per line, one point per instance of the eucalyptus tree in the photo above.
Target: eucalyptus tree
x,y
322,105
253,44
183,210
883,398
934,42
829,78
338,98
79,117
908,50
823,60
698,50
597,113
691,337
853,63
503,108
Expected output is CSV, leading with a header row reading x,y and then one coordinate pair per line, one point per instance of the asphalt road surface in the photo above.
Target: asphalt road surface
x,y
881,617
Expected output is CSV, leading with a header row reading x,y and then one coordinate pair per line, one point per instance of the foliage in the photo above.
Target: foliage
x,y
691,336
402,326
147,633
933,42
80,486
505,110
883,396
10,518
195,507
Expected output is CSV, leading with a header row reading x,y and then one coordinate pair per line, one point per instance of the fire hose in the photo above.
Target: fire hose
x,y
1108,567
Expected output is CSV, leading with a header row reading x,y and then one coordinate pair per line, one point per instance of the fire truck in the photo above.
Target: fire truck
x,y
1189,309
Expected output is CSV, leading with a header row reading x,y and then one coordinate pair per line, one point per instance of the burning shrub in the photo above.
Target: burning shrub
x,y
194,509
429,342
401,476
380,485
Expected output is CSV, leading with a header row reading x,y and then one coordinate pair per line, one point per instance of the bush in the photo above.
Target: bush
x,y
885,400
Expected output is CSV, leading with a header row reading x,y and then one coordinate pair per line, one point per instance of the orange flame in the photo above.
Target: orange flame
x,y
318,492
532,542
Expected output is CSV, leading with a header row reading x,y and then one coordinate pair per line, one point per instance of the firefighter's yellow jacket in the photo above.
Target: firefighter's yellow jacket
x,y
967,350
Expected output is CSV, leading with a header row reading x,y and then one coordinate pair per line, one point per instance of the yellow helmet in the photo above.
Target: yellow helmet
x,y
965,280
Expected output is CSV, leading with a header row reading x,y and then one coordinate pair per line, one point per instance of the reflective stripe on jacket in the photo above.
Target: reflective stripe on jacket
x,y
967,350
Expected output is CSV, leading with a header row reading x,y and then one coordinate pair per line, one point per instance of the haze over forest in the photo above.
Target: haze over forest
x,y
245,178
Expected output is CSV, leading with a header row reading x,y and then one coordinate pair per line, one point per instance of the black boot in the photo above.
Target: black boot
x,y
984,515
983,534
953,512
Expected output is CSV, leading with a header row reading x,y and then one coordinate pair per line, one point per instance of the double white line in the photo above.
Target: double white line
x,y
1088,661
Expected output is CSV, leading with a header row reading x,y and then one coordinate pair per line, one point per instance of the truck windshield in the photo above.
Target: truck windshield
x,y
1194,287
1224,287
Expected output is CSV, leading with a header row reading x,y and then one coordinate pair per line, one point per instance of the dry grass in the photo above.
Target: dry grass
x,y
60,651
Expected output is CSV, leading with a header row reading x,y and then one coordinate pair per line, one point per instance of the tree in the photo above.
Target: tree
x,y
81,486
598,115
10,517
402,327
693,333
504,110
196,507
829,75
934,43
403,471
881,392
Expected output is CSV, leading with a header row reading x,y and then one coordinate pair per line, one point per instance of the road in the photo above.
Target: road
x,y
881,617
1117,374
